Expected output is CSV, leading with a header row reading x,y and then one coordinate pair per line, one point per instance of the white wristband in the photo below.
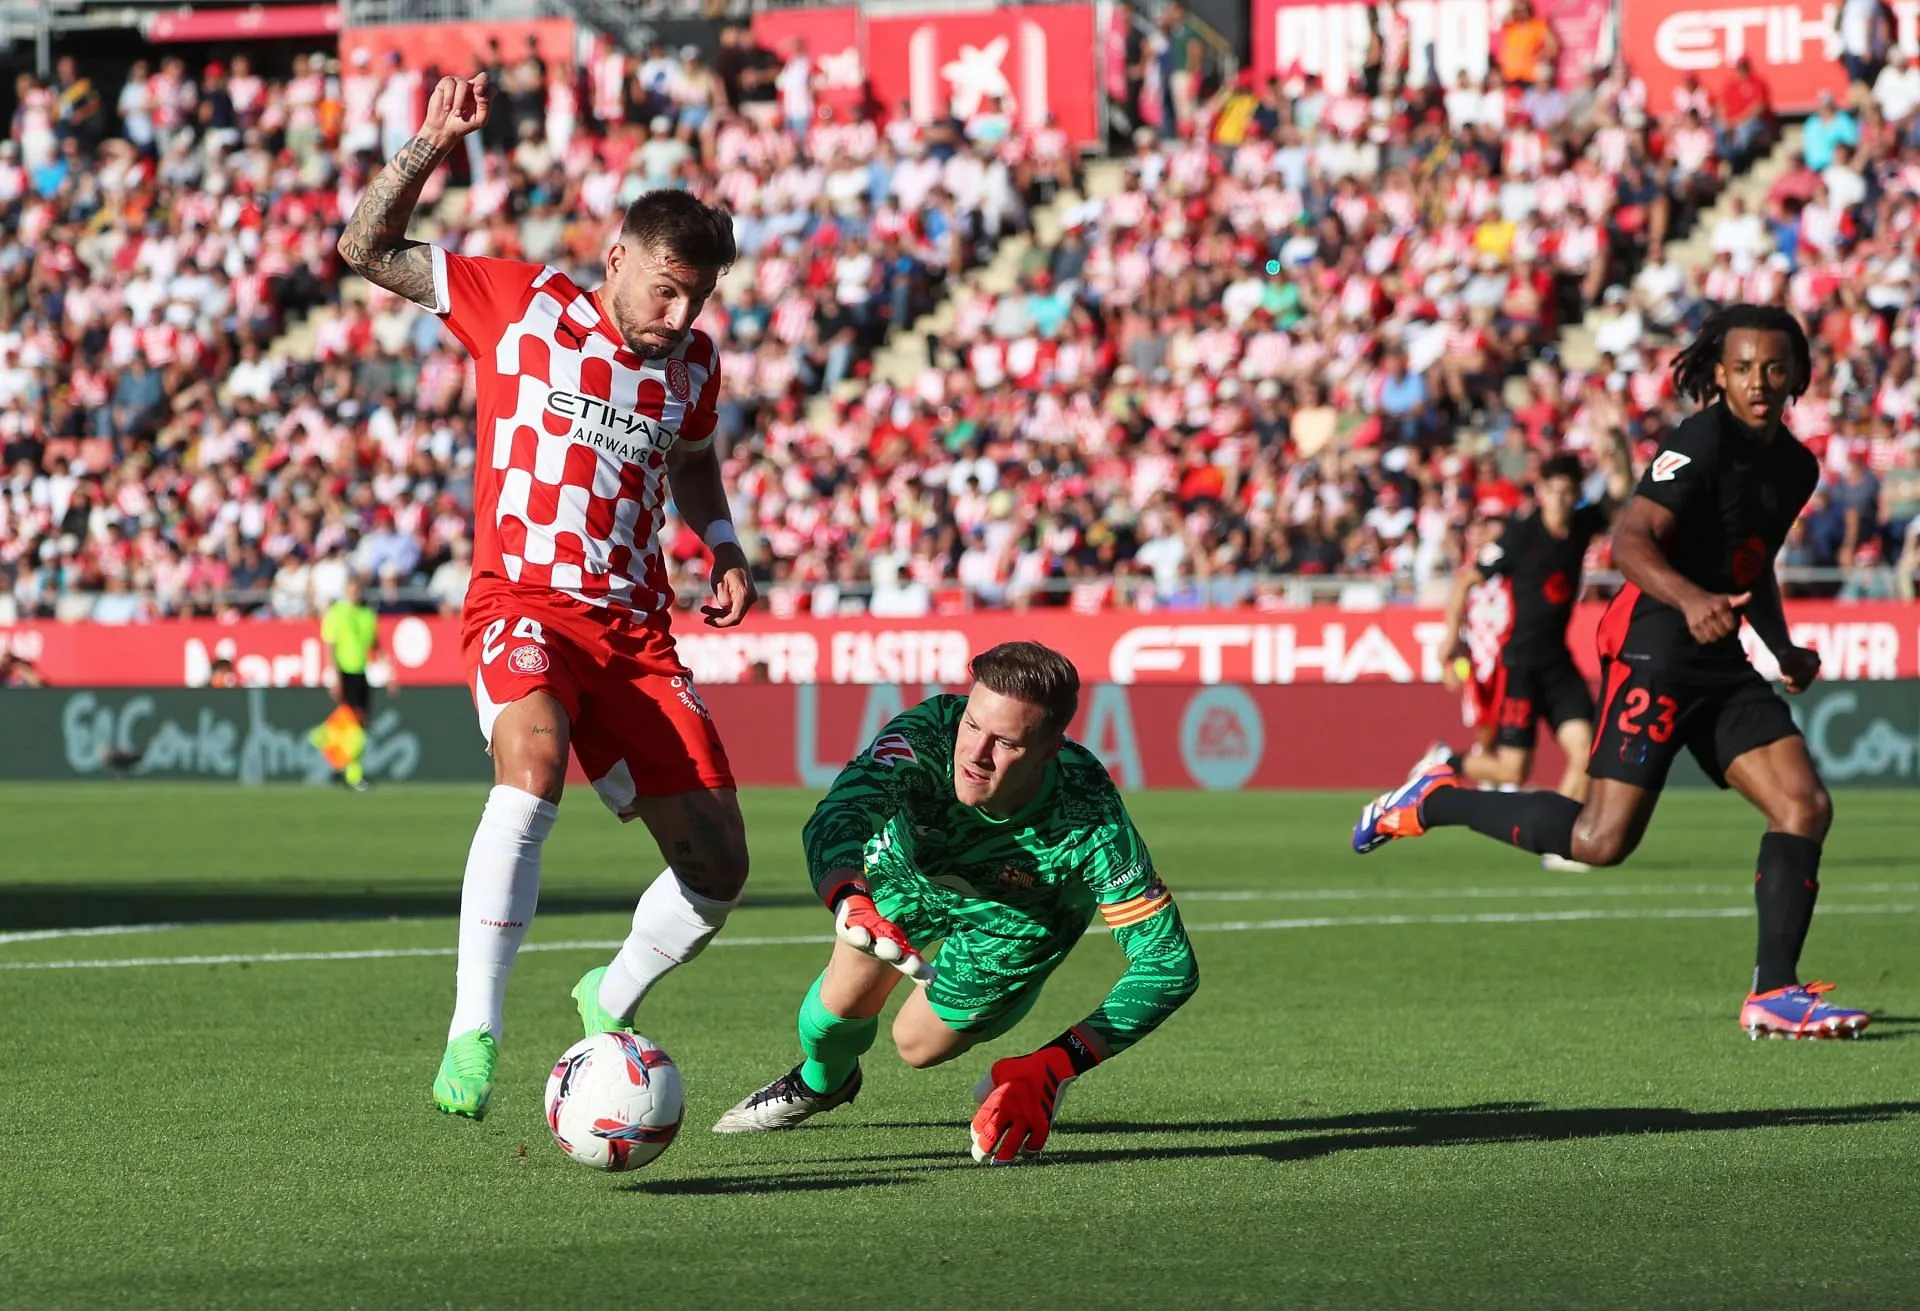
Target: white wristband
x,y
720,533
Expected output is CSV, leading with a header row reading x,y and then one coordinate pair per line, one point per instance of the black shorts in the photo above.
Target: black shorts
x,y
1648,716
355,694
1556,693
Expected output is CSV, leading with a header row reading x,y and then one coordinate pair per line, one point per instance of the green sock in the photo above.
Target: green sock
x,y
832,1043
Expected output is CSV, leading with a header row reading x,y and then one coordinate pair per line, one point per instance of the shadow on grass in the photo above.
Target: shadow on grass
x,y
1309,1138
761,1185
74,906
1887,1028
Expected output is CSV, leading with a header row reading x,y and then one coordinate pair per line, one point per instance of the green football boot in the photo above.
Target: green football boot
x,y
465,1081
595,1018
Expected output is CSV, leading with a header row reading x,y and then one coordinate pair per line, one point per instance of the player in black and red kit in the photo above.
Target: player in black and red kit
x,y
1541,556
1696,546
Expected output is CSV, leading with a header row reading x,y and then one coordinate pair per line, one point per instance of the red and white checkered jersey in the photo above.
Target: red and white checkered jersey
x,y
574,431
1488,621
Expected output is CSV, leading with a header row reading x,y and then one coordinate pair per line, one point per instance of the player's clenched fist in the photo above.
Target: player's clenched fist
x,y
1799,666
1711,617
859,923
458,106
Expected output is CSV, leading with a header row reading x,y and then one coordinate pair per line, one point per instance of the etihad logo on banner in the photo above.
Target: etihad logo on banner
x,y
608,427
1699,40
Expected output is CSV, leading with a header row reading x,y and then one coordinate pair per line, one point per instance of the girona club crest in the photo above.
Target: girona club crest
x,y
679,381
527,660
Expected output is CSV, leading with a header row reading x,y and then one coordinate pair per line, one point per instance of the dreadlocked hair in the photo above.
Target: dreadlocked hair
x,y
1693,367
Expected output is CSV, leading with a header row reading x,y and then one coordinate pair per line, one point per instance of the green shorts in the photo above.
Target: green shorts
x,y
992,962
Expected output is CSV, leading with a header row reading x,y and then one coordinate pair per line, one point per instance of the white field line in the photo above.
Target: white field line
x,y
1542,892
101,931
1238,926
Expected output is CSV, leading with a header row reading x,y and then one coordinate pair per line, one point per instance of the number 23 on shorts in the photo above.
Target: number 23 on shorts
x,y
1633,710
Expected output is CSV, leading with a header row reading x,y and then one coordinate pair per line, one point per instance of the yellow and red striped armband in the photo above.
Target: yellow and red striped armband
x,y
1120,914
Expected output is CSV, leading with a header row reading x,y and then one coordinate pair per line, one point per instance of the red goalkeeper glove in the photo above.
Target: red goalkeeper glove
x,y
1021,1095
859,923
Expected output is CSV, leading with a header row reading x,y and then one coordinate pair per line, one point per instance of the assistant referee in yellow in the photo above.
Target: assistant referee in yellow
x,y
351,630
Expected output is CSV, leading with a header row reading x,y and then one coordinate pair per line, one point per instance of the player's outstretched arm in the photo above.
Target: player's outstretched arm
x,y
700,496
374,243
1465,579
1799,665
1016,1117
899,766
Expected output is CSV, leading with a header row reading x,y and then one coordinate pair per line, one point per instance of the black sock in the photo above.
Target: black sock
x,y
1784,891
1540,822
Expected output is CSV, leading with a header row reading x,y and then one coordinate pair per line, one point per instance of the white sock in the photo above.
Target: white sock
x,y
497,900
671,925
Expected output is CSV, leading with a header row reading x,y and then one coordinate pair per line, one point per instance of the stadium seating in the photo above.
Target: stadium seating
x,y
1280,360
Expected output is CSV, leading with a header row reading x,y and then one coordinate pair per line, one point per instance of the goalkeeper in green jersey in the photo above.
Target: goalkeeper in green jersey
x,y
975,822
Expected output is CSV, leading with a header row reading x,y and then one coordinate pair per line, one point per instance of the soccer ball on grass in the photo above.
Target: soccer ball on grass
x,y
614,1101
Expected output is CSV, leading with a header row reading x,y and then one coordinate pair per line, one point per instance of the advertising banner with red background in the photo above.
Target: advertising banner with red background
x,y
1868,641
1161,736
252,23
1038,58
1331,39
832,39
1794,46
451,47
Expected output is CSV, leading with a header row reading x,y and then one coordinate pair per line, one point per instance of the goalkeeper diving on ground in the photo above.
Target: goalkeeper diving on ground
x,y
974,822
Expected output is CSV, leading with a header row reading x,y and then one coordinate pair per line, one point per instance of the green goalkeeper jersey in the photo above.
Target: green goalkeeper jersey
x,y
1034,878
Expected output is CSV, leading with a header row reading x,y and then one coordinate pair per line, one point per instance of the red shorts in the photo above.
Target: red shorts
x,y
639,727
1480,700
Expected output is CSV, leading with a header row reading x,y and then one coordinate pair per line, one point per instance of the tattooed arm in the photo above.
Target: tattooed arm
x,y
374,244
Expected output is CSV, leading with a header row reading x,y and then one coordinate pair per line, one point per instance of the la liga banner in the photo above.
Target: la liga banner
x,y
1868,641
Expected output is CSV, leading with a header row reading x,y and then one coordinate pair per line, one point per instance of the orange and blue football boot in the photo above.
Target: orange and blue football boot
x,y
1799,1012
1396,814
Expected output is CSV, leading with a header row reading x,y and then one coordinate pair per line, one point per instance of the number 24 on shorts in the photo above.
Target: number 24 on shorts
x,y
524,630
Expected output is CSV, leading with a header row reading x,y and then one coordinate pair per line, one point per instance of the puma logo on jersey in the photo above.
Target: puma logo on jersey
x,y
891,749
1667,464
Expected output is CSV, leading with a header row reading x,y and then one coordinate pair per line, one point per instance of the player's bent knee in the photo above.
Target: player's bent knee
x,y
1601,846
1808,813
922,1038
922,1046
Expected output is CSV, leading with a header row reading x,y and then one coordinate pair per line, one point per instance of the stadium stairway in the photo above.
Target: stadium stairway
x,y
903,358
1695,250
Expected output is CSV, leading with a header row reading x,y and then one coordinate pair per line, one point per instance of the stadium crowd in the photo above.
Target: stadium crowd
x,y
1308,338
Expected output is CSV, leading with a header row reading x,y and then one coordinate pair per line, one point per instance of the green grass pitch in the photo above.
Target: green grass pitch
x,y
1432,1077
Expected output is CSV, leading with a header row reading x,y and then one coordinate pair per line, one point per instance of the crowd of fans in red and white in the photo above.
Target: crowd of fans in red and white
x,y
159,454
1310,335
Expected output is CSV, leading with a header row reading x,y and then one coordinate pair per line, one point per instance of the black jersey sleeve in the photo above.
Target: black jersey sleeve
x,y
1495,559
1590,520
1684,466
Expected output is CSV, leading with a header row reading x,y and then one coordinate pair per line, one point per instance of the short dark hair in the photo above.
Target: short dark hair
x,y
1038,675
1563,466
677,223
1693,367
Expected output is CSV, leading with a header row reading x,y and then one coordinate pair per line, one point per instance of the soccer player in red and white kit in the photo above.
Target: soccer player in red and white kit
x,y
594,405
